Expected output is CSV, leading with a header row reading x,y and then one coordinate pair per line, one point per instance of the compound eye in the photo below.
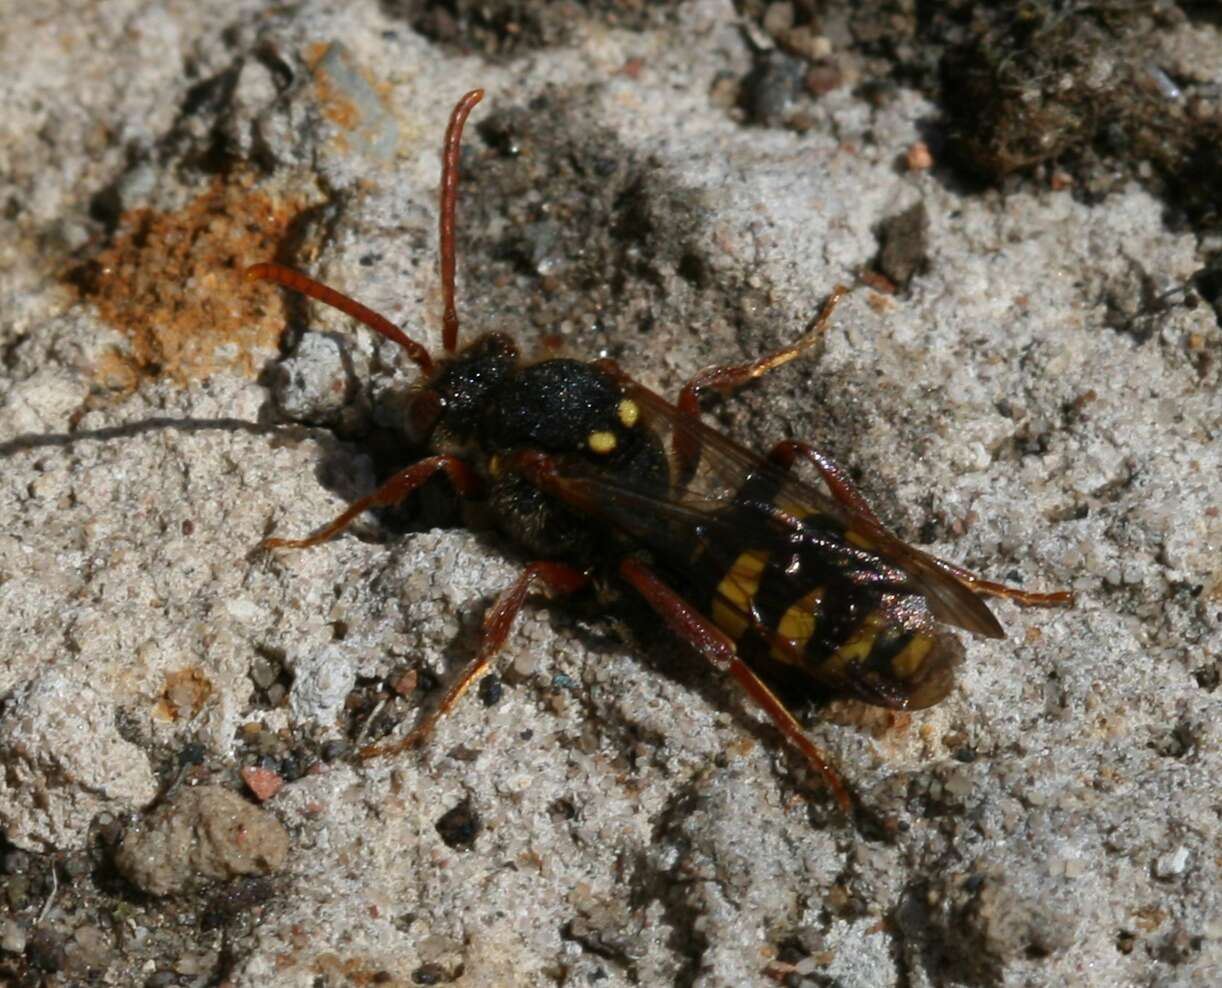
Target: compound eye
x,y
601,442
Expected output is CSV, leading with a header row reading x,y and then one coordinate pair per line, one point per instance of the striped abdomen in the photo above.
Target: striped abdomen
x,y
813,608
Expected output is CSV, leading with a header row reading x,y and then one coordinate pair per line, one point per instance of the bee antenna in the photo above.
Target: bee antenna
x,y
298,282
449,199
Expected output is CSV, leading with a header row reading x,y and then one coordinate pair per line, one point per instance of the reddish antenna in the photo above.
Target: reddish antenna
x,y
449,198
378,323
337,300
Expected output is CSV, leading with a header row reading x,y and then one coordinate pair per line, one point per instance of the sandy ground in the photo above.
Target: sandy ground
x,y
1041,404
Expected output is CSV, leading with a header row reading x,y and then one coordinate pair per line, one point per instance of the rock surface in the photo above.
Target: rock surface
x,y
201,834
1040,402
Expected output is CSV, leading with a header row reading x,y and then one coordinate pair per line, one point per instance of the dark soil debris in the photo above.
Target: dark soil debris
x,y
1081,86
460,826
502,28
1078,95
904,245
581,244
771,93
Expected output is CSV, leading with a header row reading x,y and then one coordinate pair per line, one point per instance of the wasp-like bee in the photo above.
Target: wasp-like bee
x,y
776,581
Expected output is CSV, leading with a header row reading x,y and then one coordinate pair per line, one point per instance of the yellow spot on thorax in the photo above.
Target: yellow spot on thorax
x,y
629,411
601,442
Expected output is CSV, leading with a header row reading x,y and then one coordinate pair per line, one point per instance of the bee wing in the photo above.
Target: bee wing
x,y
723,543
950,600
724,468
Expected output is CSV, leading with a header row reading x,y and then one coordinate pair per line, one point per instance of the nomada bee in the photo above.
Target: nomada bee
x,y
780,584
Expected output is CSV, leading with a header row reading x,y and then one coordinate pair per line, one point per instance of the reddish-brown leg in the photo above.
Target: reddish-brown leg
x,y
559,578
987,588
392,492
707,639
845,491
838,483
726,379
449,198
690,625
329,296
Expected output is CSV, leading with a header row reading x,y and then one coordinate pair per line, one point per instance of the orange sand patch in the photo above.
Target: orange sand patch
x,y
171,282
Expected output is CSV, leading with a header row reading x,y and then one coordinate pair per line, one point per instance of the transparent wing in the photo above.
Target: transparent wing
x,y
710,471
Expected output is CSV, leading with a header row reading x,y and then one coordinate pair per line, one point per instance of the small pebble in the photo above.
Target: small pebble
x,y
312,384
46,951
90,947
918,158
17,892
778,17
12,937
263,672
525,663
205,833
193,964
77,865
263,782
1171,864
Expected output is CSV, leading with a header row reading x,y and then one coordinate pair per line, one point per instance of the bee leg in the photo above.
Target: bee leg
x,y
559,578
715,646
838,483
393,491
724,380
987,588
845,491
